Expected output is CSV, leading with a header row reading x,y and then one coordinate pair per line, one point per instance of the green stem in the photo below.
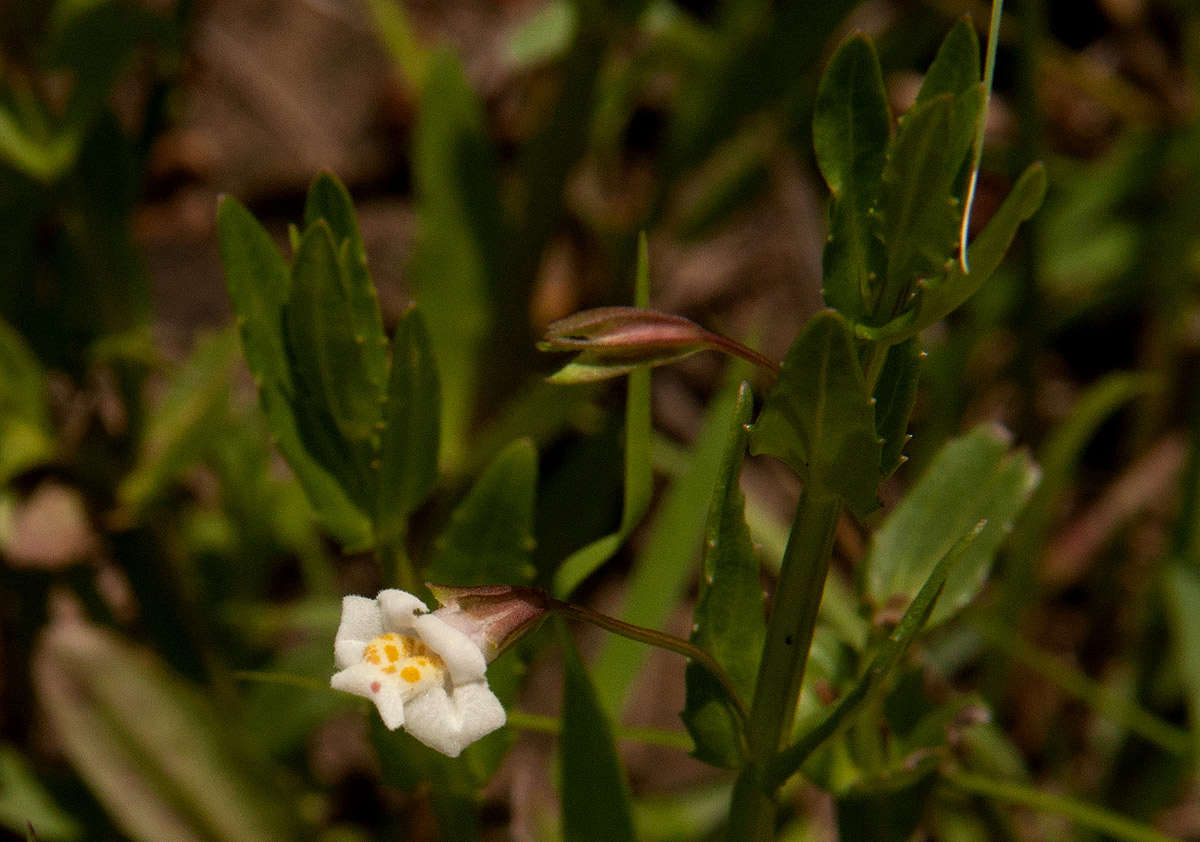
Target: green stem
x,y
654,638
1086,815
785,652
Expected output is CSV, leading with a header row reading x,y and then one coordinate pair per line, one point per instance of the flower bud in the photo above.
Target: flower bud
x,y
612,341
492,616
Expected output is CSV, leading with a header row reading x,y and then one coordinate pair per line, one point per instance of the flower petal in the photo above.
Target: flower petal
x,y
390,702
347,653
463,657
450,723
398,609
367,681
355,679
360,619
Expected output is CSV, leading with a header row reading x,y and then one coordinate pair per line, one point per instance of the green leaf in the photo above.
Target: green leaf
x,y
955,68
259,284
941,295
336,400
490,536
895,395
187,421
164,762
664,567
851,128
328,200
409,438
25,437
819,418
395,31
454,264
729,619
975,477
920,212
41,158
592,785
639,472
24,802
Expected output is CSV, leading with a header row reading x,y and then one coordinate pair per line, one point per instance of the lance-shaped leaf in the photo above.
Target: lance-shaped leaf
x,y
944,293
337,406
851,128
490,535
259,283
920,212
592,784
978,476
408,448
729,618
153,749
328,200
895,395
820,418
955,68
612,341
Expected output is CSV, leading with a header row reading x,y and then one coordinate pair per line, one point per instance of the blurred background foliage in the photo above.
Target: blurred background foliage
x,y
158,559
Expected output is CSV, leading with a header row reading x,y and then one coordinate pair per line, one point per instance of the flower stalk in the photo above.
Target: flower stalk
x,y
655,638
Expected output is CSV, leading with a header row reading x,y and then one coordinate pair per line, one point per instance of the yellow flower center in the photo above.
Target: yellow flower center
x,y
407,658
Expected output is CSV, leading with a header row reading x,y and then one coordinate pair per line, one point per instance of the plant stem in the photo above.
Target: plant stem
x,y
654,638
1085,815
785,651
737,349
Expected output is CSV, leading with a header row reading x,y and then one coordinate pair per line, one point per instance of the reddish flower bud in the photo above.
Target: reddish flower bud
x,y
612,341
493,616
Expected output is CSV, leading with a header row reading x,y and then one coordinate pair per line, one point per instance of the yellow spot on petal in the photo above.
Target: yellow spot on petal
x,y
389,669
411,674
392,652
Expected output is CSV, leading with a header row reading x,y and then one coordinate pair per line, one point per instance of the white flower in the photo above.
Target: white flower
x,y
421,672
